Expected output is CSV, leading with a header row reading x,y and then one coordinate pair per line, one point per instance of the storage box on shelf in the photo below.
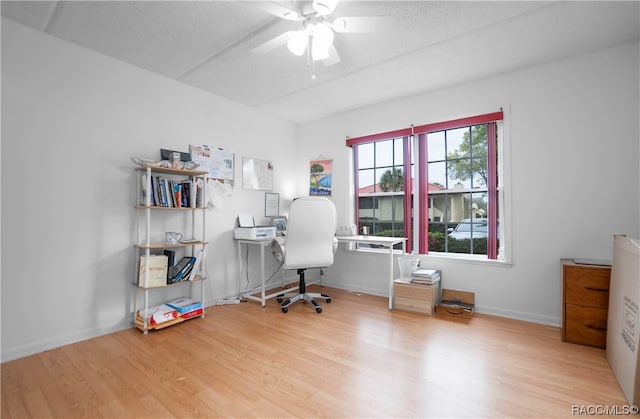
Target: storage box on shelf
x,y
585,302
167,189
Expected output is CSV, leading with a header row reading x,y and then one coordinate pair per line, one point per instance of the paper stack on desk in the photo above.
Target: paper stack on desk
x,y
425,276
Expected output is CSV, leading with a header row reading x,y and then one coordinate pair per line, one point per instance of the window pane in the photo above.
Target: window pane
x,y
384,153
366,181
479,140
436,149
479,205
458,142
459,174
398,154
437,174
390,180
479,173
365,155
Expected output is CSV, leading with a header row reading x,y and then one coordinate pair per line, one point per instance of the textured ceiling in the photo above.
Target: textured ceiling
x,y
417,45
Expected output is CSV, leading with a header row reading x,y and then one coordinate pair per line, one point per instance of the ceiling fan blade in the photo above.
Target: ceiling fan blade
x,y
272,44
279,10
334,57
362,24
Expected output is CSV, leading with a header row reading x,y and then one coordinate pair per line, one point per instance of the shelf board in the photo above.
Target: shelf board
x,y
168,246
196,279
154,207
170,170
139,322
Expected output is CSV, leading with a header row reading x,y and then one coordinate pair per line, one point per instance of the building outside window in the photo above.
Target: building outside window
x,y
455,183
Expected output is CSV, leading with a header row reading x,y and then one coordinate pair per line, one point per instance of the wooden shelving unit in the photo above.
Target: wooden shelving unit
x,y
145,207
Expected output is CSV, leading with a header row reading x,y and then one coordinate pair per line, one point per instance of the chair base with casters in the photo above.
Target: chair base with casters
x,y
288,299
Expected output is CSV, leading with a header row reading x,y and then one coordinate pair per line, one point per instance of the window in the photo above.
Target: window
x,y
381,184
455,172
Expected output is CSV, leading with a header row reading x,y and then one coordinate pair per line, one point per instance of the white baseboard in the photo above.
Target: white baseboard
x,y
48,344
494,311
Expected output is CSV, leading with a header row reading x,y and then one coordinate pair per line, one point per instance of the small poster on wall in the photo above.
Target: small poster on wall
x,y
320,177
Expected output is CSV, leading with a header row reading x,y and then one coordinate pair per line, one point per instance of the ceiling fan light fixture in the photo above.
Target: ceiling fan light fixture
x,y
339,25
298,42
321,41
319,51
324,7
323,34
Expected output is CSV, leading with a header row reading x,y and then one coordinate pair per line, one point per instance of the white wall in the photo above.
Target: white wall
x,y
71,121
572,143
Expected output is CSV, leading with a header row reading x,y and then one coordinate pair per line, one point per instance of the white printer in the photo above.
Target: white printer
x,y
247,229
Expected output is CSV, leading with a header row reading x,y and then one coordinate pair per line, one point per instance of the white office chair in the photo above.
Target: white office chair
x,y
310,242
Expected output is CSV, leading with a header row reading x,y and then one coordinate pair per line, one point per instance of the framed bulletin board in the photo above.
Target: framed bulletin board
x,y
257,174
217,161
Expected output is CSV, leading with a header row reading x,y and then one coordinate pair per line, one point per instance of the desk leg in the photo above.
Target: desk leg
x,y
240,267
391,277
262,278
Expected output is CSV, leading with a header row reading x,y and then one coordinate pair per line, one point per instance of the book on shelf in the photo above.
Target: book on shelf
x,y
177,193
170,193
184,305
153,192
143,189
196,266
157,267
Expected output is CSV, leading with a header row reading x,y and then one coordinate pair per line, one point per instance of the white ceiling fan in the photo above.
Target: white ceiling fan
x,y
316,35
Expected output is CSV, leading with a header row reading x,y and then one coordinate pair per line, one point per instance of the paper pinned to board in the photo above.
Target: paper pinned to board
x,y
217,192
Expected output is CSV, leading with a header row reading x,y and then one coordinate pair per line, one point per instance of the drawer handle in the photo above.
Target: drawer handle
x,y
597,289
590,326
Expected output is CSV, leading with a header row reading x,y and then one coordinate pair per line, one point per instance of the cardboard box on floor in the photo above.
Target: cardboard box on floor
x,y
623,333
457,303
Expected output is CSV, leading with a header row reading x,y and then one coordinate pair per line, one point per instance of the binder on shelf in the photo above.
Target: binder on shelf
x,y
182,269
171,261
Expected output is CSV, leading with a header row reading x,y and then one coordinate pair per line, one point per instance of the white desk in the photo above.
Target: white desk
x,y
263,244
387,242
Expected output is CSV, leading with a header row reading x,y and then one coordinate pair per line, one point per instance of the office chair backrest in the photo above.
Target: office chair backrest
x,y
311,232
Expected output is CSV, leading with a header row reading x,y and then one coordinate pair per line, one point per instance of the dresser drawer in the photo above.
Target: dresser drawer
x,y
424,292
587,287
414,305
585,325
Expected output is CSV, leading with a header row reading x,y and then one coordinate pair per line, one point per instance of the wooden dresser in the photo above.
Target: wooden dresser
x,y
418,298
585,302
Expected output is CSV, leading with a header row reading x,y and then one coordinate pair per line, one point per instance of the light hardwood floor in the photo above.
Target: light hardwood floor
x,y
356,359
